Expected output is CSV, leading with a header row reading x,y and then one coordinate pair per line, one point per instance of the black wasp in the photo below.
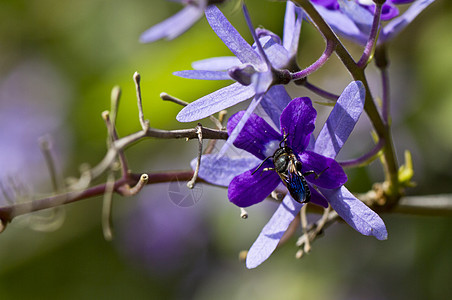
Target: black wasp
x,y
288,168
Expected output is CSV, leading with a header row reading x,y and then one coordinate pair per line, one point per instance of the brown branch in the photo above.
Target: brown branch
x,y
8,213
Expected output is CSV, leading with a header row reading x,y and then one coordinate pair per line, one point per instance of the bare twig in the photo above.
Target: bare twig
x,y
144,123
312,232
107,206
191,183
8,213
45,146
126,190
167,97
114,106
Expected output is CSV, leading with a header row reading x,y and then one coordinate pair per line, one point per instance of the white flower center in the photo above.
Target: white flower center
x,y
271,147
365,2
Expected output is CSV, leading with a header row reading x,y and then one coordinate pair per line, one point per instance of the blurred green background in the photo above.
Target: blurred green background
x,y
67,55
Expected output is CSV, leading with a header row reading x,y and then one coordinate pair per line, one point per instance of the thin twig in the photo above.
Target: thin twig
x,y
45,146
114,104
167,97
107,207
304,227
8,213
113,136
191,183
126,190
329,216
144,123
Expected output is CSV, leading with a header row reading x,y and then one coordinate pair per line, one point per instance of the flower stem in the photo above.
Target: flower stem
x,y
372,41
317,64
357,72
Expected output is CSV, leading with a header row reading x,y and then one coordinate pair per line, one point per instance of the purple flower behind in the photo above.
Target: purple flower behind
x,y
353,19
178,23
161,237
33,103
252,67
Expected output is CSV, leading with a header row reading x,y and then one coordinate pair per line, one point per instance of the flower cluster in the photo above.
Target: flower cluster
x,y
261,71
353,19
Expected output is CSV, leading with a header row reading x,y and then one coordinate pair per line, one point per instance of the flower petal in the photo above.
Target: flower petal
x,y
276,53
332,176
221,63
203,75
341,121
360,15
292,27
247,189
221,170
270,235
342,24
254,136
317,198
398,24
357,214
298,121
274,101
231,37
174,25
262,82
215,102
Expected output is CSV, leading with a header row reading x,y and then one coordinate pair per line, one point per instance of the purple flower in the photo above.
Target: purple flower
x,y
178,23
255,68
260,139
353,19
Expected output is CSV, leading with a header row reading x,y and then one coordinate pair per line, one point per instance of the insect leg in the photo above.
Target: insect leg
x,y
313,172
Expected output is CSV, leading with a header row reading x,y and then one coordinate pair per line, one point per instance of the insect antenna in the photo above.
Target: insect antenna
x,y
260,165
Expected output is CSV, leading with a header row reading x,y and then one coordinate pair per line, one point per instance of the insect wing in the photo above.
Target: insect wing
x,y
297,186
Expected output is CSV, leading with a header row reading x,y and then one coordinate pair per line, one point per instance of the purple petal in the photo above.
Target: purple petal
x,y
292,27
357,13
298,121
274,101
270,235
277,55
317,198
238,128
398,24
254,136
262,82
174,25
401,1
332,176
388,12
339,22
341,121
215,102
242,73
221,170
203,75
230,37
246,189
357,214
216,63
